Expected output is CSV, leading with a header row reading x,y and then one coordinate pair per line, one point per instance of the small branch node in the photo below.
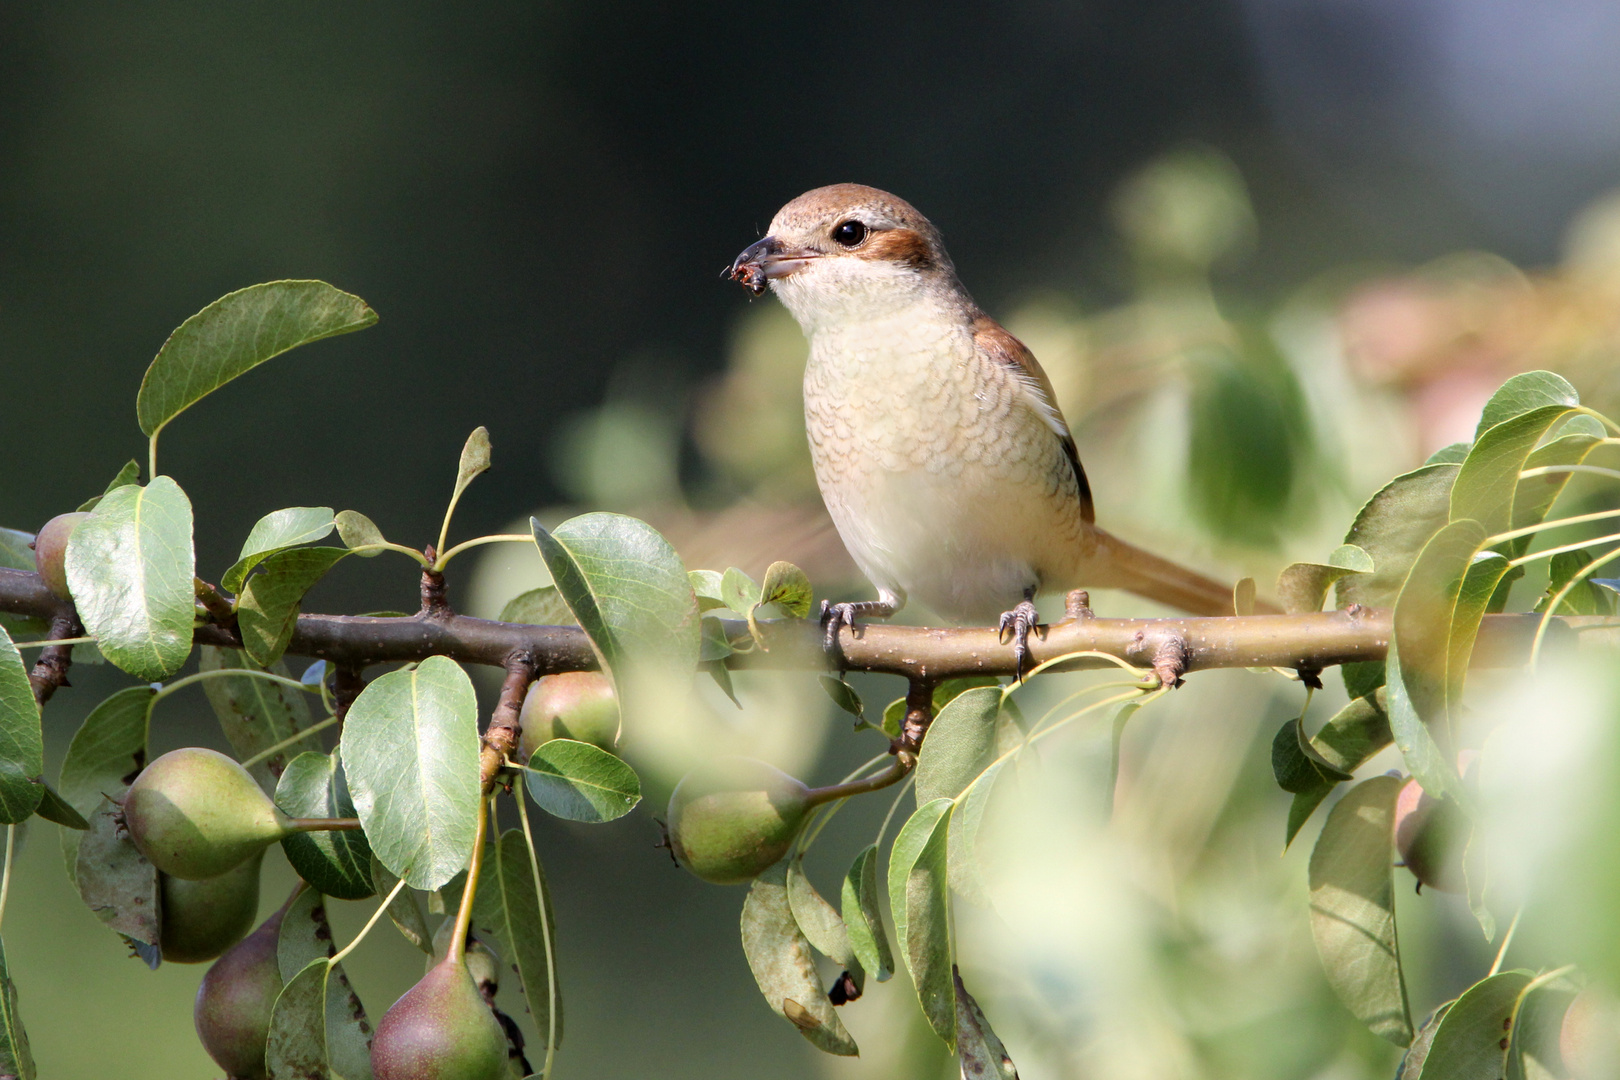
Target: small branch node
x,y
1170,660
501,736
919,714
1077,606
50,671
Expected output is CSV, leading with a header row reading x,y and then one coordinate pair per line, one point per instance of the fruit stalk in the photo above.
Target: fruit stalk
x,y
898,770
458,940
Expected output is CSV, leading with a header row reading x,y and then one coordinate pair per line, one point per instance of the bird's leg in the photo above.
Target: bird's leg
x,y
835,617
1017,624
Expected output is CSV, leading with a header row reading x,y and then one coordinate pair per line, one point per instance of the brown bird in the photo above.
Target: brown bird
x,y
937,441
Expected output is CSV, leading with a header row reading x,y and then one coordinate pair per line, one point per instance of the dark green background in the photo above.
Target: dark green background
x,y
530,194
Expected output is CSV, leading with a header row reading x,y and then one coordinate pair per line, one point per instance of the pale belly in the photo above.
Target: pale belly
x,y
946,485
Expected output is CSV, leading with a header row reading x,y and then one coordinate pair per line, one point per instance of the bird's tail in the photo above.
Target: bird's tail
x,y
1126,566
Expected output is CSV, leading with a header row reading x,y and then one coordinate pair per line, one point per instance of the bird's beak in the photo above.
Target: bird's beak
x,y
768,260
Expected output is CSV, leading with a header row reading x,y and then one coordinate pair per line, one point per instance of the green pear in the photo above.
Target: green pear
x,y
578,705
201,919
731,819
50,551
440,1030
236,998
195,814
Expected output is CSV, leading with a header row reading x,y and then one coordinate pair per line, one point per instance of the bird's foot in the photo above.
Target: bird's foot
x,y
1016,626
834,617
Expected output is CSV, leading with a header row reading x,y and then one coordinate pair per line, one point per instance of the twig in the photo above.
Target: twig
x,y
501,737
50,671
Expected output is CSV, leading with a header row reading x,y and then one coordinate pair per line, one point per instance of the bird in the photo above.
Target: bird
x,y
938,445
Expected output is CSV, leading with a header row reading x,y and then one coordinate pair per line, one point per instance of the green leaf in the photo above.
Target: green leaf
x,y
1418,749
738,591
115,881
894,716
1452,454
410,749
706,586
1302,587
1586,598
338,862
278,531
358,531
255,714
1411,1066
129,474
15,554
1346,742
1353,908
320,1029
1489,477
1423,622
237,333
267,611
538,607
580,782
822,925
1537,1025
630,594
1392,528
983,1056
714,646
1470,1041
22,740
786,586
919,897
403,911
961,742
1535,495
106,754
475,459
966,821
506,905
843,695
1524,393
16,1060
131,569
779,956
863,918
56,809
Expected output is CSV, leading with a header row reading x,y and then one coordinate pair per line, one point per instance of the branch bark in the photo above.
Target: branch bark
x,y
1310,642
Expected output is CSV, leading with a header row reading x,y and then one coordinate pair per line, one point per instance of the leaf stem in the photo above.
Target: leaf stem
x,y
1507,939
1556,523
271,751
495,538
5,875
1547,470
325,824
151,455
892,808
336,959
389,545
197,677
53,641
1065,658
545,935
1534,555
458,939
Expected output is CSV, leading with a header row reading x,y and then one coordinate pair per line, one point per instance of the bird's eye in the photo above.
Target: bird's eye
x,y
849,233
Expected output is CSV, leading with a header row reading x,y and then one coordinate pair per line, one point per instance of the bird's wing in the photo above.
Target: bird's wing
x,y
994,341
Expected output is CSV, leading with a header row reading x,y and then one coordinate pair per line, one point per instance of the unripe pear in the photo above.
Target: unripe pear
x,y
440,1030
195,814
201,919
731,819
235,1000
573,705
50,551
1432,834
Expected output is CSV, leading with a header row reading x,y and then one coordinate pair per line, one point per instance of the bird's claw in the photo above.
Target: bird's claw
x,y
1016,625
835,617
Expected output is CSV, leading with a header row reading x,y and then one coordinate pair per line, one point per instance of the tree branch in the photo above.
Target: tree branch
x,y
1310,642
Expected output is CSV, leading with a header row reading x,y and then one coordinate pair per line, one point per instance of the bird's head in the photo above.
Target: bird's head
x,y
847,252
